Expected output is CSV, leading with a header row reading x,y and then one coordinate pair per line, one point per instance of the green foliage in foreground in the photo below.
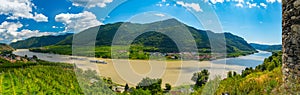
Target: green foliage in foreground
x,y
253,84
153,85
200,78
38,79
265,79
49,78
58,78
148,86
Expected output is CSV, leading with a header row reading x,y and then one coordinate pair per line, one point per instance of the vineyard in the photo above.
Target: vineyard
x,y
46,78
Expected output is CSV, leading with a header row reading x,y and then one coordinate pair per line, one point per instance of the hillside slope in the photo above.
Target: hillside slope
x,y
39,41
154,36
5,47
159,40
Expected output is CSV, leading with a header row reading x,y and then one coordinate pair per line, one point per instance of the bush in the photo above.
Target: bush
x,y
200,78
168,86
153,85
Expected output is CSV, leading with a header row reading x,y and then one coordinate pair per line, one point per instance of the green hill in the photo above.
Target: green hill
x,y
150,41
159,40
38,41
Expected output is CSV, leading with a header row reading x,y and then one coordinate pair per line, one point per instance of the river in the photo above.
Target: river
x,y
173,72
247,61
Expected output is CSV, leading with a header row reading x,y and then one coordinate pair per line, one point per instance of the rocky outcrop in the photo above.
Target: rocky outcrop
x,y
291,40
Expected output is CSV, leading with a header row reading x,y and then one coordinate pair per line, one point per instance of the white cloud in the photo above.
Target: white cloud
x,y
167,4
91,3
163,0
159,5
239,5
40,18
272,1
16,9
9,32
216,1
263,5
77,22
161,15
239,1
194,6
251,5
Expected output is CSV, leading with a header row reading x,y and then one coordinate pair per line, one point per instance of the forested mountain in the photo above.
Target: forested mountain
x,y
151,38
39,41
266,47
158,39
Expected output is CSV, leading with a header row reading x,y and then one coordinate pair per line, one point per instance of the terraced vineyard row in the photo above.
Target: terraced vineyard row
x,y
39,80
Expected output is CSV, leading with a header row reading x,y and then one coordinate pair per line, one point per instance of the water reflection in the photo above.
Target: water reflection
x,y
248,61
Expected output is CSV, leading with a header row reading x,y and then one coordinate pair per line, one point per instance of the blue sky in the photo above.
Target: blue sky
x,y
257,21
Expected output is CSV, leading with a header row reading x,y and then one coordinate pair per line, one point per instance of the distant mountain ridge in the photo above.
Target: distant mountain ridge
x,y
156,39
39,41
266,47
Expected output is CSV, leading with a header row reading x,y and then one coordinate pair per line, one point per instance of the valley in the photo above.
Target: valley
x,y
171,68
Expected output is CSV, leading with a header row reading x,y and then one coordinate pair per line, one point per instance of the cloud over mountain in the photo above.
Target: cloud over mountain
x,y
77,22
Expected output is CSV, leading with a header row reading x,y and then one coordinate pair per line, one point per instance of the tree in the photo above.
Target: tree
x,y
234,73
126,87
168,86
154,85
229,74
200,78
34,57
140,92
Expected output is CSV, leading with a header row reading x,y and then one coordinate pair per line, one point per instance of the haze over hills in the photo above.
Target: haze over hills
x,y
266,47
150,38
